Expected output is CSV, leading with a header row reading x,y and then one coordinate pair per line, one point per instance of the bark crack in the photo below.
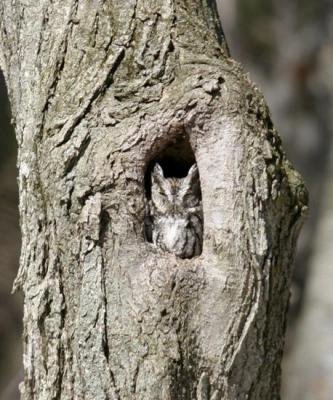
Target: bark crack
x,y
112,65
59,63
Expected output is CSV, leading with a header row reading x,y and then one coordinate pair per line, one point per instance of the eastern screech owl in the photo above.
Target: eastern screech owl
x,y
176,213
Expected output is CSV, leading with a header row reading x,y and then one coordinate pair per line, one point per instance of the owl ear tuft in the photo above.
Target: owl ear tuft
x,y
193,173
157,174
159,189
191,181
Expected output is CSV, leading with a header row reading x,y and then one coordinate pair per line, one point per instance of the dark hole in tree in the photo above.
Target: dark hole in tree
x,y
176,159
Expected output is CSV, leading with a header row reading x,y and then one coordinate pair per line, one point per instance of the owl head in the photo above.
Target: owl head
x,y
171,194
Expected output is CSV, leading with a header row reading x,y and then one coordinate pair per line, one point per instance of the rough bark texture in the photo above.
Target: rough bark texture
x,y
99,89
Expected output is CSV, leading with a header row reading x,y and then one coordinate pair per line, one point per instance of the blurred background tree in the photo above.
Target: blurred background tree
x,y
10,305
287,46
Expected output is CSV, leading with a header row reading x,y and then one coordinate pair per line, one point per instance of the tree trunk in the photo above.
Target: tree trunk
x,y
100,91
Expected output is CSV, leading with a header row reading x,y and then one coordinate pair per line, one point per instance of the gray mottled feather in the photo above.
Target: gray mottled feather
x,y
176,213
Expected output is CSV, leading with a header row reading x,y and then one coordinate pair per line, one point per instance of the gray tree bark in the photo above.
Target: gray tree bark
x,y
99,89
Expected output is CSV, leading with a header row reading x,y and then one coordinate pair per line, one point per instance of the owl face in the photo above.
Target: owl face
x,y
172,195
176,213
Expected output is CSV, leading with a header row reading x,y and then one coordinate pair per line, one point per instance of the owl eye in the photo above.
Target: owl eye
x,y
190,200
160,201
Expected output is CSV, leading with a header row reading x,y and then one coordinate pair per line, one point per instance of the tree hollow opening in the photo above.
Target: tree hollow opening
x,y
175,159
174,217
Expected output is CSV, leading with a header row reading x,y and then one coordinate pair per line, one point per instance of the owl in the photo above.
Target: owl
x,y
176,213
